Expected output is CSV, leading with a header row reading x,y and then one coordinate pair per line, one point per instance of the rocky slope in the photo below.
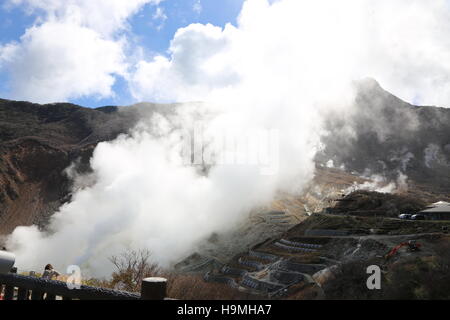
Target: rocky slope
x,y
381,134
37,144
385,135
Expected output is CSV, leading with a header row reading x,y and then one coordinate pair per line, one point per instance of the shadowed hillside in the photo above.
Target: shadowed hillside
x,y
385,135
381,135
38,142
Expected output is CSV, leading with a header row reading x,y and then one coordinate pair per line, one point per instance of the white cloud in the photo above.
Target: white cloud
x,y
59,60
196,66
402,44
159,14
103,16
197,7
74,49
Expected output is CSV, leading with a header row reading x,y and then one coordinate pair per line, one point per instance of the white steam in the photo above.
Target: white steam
x,y
433,156
141,195
285,63
378,183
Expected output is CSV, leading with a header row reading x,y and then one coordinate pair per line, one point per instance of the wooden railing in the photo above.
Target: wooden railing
x,y
19,287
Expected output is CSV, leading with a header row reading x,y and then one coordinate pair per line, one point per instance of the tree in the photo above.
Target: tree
x,y
131,268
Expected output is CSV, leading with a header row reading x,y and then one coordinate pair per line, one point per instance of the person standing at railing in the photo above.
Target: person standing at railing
x,y
50,273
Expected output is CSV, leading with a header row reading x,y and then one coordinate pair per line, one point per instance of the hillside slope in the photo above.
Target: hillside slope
x,y
380,135
384,135
38,142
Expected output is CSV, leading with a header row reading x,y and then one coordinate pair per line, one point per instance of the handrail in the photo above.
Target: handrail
x,y
152,289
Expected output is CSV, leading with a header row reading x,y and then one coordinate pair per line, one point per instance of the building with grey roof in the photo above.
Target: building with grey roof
x,y
440,211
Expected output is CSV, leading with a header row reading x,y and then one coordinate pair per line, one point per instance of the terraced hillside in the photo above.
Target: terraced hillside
x,y
305,260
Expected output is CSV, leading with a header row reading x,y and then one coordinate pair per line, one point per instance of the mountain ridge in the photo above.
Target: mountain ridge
x,y
38,142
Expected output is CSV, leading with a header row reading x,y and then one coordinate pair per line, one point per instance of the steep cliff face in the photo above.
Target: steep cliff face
x,y
32,181
37,143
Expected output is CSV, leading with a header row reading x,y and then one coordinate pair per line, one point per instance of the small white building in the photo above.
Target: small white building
x,y
437,211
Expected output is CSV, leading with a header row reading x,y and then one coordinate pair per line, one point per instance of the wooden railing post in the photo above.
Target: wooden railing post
x,y
153,289
9,290
22,294
29,292
35,294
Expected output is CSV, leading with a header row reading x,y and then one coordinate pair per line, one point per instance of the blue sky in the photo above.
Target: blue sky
x,y
151,31
115,52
